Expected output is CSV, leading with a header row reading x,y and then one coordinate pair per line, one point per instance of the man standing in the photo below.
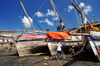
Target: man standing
x,y
59,49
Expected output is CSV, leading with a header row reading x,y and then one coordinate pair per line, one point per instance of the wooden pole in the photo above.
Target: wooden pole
x,y
55,10
62,17
27,16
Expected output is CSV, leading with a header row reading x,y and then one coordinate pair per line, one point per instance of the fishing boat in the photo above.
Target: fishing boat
x,y
29,44
93,40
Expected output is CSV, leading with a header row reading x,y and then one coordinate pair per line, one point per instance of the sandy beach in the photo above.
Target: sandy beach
x,y
11,58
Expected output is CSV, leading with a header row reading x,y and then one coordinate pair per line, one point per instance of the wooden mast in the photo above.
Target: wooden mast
x,y
80,11
55,8
27,16
55,11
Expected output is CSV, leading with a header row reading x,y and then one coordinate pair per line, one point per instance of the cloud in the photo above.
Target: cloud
x,y
26,22
41,21
70,8
39,14
86,8
54,18
82,5
47,21
50,12
65,9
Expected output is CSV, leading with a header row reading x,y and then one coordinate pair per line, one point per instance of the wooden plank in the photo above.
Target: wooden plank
x,y
80,34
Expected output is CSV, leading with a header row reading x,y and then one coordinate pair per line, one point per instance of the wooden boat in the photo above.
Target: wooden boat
x,y
25,47
94,44
29,44
93,41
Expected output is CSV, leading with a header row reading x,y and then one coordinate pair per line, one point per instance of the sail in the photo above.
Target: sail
x,y
58,35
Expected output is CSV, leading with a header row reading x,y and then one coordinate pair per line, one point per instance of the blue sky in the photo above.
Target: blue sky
x,y
12,16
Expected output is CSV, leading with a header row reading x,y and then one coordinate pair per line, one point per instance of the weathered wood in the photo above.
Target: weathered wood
x,y
80,34
27,16
29,47
53,46
34,31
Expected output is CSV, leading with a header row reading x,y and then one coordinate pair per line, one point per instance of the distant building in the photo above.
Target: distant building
x,y
6,31
6,35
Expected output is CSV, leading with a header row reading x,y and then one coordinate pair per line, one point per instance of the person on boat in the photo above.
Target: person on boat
x,y
59,49
72,50
61,27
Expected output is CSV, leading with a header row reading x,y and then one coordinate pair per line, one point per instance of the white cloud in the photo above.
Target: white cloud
x,y
54,18
50,12
86,9
70,8
41,21
47,21
26,22
65,9
82,5
39,14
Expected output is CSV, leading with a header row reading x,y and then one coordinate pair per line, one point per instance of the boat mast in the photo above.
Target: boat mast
x,y
27,16
55,11
55,8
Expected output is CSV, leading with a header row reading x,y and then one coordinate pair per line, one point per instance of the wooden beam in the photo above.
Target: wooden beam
x,y
27,16
80,34
35,31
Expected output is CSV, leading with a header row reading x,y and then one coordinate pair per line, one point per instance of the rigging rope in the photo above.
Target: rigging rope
x,y
78,20
93,15
39,8
77,17
34,19
90,17
67,26
84,43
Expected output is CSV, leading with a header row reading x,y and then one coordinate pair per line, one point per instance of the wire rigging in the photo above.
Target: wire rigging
x,y
34,19
67,26
91,14
39,8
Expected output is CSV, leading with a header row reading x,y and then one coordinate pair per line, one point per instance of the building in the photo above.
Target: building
x,y
6,35
6,31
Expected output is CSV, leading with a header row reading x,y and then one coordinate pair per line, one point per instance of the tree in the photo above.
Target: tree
x,y
47,29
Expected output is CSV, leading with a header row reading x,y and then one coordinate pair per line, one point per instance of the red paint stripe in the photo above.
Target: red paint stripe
x,y
94,39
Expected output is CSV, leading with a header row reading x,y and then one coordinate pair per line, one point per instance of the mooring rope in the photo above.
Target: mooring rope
x,y
84,43
58,60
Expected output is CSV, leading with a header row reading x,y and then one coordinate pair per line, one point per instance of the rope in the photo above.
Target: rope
x,y
84,43
93,15
34,19
67,26
39,8
58,60
78,20
90,18
77,17
90,13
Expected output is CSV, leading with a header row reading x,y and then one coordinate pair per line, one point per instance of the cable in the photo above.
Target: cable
x,y
39,8
34,19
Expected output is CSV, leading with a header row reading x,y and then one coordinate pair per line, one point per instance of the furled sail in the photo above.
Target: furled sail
x,y
58,35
